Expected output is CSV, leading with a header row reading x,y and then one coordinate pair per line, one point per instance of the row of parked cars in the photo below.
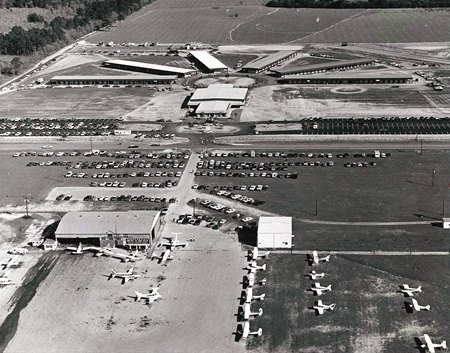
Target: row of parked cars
x,y
130,198
221,208
244,174
231,187
196,220
237,197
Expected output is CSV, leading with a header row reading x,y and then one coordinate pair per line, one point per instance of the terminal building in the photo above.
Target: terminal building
x,y
274,232
148,68
265,63
207,62
318,68
217,100
369,77
113,80
131,229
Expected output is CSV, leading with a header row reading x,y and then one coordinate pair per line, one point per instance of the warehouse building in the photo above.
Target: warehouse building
x,y
317,68
274,232
148,68
131,229
207,63
348,78
265,63
113,80
217,100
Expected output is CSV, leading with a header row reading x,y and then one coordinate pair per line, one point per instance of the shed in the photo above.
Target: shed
x,y
50,244
274,232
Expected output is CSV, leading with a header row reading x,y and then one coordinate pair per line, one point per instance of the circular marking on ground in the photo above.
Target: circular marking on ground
x,y
348,90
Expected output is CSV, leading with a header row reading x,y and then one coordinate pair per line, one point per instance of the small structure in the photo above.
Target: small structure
x,y
274,232
113,80
446,223
50,244
122,132
207,62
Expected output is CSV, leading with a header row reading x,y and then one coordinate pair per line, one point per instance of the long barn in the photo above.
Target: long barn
x,y
148,68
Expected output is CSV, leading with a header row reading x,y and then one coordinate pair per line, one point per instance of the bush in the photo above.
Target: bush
x,y
35,18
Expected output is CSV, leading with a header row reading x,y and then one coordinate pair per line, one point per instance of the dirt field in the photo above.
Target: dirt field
x,y
236,81
370,315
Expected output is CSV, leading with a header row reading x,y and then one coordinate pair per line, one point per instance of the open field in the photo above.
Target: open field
x,y
369,317
251,23
72,102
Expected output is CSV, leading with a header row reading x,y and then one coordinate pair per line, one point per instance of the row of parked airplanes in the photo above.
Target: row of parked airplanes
x,y
404,288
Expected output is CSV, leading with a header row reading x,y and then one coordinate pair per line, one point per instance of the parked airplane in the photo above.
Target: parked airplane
x,y
151,296
5,281
103,252
418,307
253,267
251,280
319,290
248,312
256,253
408,291
164,257
10,263
79,249
133,257
249,297
321,307
246,331
432,346
314,275
173,242
126,276
317,259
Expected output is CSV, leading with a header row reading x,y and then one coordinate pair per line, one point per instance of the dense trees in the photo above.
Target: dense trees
x,y
342,4
34,17
100,13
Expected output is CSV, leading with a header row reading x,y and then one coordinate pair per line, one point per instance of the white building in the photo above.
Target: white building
x,y
446,223
275,232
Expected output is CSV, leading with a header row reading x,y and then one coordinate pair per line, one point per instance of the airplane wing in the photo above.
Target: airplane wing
x,y
415,305
319,291
125,279
320,310
71,248
429,343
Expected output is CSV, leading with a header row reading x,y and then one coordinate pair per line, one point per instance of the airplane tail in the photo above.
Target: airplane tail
x,y
444,344
263,281
332,306
260,297
260,312
329,287
263,267
112,274
327,258
259,332
419,289
427,307
138,296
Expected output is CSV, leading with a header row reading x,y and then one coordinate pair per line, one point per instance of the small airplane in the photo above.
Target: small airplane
x,y
432,346
79,249
319,290
253,267
248,313
126,276
173,242
249,297
103,252
150,297
164,257
10,263
246,331
408,291
251,280
5,281
314,275
255,253
132,257
418,307
316,259
320,307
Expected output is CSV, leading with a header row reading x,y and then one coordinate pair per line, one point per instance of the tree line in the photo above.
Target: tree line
x,y
102,13
363,4
35,3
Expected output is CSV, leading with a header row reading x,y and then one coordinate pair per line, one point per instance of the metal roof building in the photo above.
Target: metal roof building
x,y
148,68
266,62
208,62
213,108
131,229
113,80
364,77
329,66
274,232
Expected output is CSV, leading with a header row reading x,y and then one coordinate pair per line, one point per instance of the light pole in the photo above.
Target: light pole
x,y
432,179
27,200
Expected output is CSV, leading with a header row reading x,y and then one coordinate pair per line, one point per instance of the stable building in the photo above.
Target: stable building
x,y
274,232
148,68
317,68
130,229
365,77
207,63
264,63
113,80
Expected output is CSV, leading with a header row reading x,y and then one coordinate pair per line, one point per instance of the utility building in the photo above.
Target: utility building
x,y
113,80
274,232
131,229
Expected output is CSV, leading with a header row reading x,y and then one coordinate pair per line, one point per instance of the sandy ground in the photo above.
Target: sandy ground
x,y
256,48
70,60
210,129
142,127
236,81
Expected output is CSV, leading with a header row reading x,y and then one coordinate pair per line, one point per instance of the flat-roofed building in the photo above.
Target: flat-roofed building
x,y
148,68
207,62
113,80
365,77
274,232
130,229
266,62
316,68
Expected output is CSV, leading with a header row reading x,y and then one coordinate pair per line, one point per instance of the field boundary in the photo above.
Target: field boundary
x,y
368,253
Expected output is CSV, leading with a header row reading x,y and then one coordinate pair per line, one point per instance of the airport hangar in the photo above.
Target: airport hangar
x,y
129,229
348,78
265,63
207,62
316,68
217,100
148,68
113,80
274,232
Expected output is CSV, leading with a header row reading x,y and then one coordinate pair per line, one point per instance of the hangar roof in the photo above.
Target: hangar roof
x,y
212,107
265,61
177,70
85,224
322,66
275,225
354,75
219,92
116,77
208,60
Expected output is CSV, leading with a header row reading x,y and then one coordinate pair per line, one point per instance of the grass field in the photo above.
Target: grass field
x,y
73,102
370,315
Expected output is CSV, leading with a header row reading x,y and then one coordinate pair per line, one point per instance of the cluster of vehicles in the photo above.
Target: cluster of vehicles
x,y
238,197
216,188
129,198
196,220
13,262
221,208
